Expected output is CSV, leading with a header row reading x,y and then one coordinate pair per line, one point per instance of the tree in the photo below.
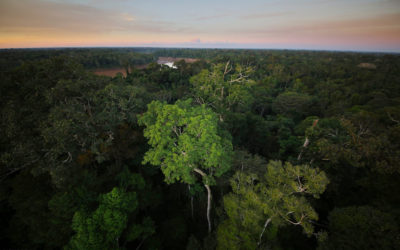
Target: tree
x,y
110,225
361,228
81,127
262,204
292,103
185,140
224,88
102,228
23,107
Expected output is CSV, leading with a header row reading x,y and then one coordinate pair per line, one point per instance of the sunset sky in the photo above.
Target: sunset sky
x,y
361,25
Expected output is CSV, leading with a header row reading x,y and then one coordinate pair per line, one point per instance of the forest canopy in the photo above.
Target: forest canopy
x,y
237,149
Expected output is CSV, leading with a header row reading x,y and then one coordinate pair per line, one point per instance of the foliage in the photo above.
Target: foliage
x,y
259,203
185,137
291,103
224,87
361,227
102,228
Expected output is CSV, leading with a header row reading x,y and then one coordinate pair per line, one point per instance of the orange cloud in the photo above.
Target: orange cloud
x,y
380,29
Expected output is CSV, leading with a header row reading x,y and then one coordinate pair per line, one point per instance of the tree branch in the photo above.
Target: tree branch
x,y
265,226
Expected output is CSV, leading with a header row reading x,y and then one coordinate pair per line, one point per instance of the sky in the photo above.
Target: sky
x,y
357,25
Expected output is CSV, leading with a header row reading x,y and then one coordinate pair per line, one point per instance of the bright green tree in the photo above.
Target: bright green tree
x,y
259,205
185,140
103,228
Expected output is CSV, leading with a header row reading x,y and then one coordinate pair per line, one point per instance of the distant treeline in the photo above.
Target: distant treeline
x,y
89,58
92,58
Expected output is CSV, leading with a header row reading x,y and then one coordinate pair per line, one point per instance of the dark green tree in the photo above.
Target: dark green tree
x,y
361,227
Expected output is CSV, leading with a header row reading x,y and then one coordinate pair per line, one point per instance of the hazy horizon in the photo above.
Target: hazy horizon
x,y
221,48
352,25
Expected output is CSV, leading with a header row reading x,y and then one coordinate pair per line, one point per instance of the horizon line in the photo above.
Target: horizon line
x,y
189,47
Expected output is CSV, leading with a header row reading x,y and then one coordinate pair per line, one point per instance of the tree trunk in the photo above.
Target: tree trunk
x,y
208,206
208,198
265,226
191,202
306,142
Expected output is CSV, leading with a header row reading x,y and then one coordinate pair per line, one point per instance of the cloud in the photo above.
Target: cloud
x,y
196,40
40,23
28,15
389,24
42,17
195,44
127,17
265,15
210,17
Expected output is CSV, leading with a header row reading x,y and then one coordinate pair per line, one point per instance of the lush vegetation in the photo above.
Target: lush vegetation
x,y
242,149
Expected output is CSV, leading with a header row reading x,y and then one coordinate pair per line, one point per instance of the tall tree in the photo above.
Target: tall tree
x,y
186,140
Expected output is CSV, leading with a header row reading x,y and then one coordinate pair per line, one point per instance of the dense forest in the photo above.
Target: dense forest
x,y
241,149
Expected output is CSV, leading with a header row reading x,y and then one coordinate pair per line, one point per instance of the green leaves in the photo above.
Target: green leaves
x,y
296,179
291,103
266,202
86,121
224,88
102,228
184,137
